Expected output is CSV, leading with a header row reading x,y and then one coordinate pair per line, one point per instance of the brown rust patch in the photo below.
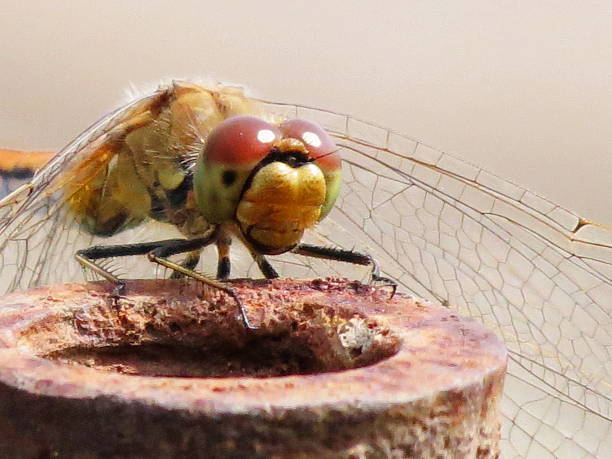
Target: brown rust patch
x,y
179,330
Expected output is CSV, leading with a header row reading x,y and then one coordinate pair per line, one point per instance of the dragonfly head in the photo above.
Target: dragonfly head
x,y
274,181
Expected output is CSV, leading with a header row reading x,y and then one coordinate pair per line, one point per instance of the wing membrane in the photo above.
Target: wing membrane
x,y
39,236
532,271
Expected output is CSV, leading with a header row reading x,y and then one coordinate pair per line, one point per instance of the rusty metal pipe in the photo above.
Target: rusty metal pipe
x,y
336,369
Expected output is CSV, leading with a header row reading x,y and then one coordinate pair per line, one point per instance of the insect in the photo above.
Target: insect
x,y
206,161
537,274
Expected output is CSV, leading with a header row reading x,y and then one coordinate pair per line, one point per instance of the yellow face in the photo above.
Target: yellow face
x,y
280,203
273,181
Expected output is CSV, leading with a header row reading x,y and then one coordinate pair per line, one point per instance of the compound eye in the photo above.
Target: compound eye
x,y
317,141
241,140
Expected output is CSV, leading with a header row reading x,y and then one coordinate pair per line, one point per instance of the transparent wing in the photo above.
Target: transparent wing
x,y
39,234
530,270
38,237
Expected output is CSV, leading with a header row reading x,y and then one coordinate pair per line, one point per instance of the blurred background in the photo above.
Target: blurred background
x,y
523,89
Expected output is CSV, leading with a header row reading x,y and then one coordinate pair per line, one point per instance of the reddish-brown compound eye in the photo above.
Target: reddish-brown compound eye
x,y
317,141
240,141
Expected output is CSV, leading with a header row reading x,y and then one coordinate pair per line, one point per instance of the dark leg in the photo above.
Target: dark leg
x,y
157,252
224,266
223,248
265,267
190,262
159,255
347,256
87,256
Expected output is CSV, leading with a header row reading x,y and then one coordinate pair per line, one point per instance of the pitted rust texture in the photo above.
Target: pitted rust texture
x,y
335,369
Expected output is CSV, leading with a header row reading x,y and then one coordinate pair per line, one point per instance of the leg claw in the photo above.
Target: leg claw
x,y
384,282
118,292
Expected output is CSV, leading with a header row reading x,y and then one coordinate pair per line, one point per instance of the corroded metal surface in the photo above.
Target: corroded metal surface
x,y
336,368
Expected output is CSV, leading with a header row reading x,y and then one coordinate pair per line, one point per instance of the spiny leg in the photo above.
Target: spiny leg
x,y
87,257
265,267
224,241
223,244
159,255
190,262
347,256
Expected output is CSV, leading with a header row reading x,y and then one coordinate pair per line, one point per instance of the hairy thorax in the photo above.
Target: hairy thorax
x,y
142,168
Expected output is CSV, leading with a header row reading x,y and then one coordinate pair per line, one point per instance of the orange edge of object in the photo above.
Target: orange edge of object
x,y
11,160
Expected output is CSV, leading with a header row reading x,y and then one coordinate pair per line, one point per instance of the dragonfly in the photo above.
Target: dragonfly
x,y
440,228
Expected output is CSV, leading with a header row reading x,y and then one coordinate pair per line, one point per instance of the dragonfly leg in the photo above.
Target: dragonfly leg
x,y
224,241
157,252
223,268
264,266
347,256
159,255
88,258
191,261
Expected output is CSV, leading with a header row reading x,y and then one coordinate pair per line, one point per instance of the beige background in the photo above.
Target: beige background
x,y
523,89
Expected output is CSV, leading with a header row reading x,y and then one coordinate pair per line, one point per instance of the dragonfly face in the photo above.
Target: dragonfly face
x,y
273,181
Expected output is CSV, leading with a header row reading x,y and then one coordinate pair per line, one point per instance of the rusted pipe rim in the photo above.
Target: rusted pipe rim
x,y
320,343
